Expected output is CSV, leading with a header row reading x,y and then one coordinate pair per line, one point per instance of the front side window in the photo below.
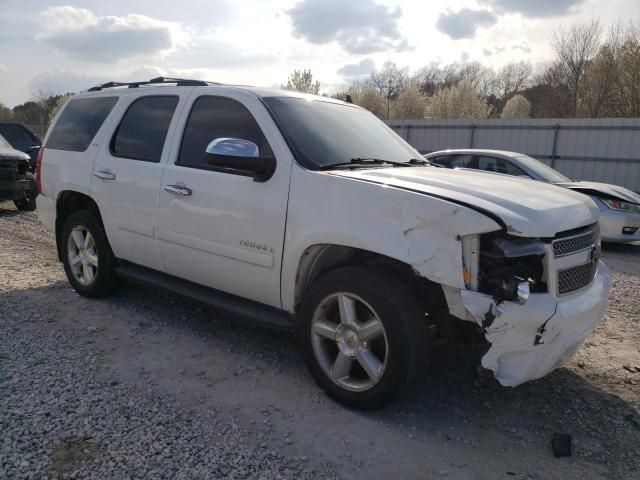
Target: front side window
x,y
457,161
143,129
327,133
79,122
499,165
217,117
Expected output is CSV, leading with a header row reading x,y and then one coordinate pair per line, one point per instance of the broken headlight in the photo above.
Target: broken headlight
x,y
509,268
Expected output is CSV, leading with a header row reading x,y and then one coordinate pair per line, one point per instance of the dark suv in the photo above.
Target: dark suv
x,y
16,182
23,139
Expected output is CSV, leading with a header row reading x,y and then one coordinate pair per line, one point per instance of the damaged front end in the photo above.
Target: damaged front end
x,y
535,299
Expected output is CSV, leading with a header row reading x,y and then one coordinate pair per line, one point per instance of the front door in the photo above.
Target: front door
x,y
222,229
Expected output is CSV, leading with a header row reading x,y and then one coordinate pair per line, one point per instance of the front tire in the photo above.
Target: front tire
x,y
363,334
86,255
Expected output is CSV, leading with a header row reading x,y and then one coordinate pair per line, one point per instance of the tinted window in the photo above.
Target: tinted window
x,y
15,134
499,165
456,161
217,117
143,129
4,143
79,122
325,133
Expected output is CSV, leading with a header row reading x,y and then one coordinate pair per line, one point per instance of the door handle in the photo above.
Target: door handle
x,y
178,190
104,175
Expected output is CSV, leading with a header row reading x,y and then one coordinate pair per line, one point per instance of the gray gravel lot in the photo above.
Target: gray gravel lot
x,y
149,385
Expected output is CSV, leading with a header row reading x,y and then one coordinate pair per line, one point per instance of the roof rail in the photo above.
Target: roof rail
x,y
180,82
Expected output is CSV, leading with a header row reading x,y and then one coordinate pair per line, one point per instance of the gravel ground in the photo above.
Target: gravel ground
x,y
150,385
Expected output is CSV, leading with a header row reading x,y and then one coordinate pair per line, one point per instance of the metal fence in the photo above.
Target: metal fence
x,y
603,149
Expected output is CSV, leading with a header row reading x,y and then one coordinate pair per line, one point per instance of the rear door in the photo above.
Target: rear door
x,y
128,170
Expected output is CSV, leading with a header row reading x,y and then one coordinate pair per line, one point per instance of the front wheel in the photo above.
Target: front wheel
x,y
363,334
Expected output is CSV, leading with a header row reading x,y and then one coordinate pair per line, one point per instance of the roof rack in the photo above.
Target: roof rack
x,y
180,82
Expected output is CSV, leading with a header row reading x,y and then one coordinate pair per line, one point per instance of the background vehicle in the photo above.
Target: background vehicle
x,y
310,213
16,182
619,207
23,139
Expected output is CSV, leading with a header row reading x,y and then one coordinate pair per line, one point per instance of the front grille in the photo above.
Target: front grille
x,y
576,243
576,278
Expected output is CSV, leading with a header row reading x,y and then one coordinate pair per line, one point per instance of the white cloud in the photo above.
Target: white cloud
x,y
464,22
535,8
356,70
80,33
358,26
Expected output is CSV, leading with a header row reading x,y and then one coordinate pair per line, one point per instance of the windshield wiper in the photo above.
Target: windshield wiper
x,y
354,162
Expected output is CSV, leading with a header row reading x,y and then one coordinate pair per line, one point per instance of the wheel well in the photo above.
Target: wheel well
x,y
68,202
319,259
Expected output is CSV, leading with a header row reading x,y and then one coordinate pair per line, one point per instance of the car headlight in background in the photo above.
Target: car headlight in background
x,y
620,205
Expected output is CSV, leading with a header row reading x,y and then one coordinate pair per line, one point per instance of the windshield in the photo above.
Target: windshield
x,y
541,170
4,143
325,133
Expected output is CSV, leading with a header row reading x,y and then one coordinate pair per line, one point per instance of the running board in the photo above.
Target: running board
x,y
258,312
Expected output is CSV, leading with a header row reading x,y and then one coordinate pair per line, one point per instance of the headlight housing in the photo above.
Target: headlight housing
x,y
620,205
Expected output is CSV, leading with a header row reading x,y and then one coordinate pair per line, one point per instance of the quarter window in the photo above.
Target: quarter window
x,y
79,122
143,129
217,117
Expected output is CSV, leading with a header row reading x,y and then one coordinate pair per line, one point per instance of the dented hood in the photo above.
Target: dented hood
x,y
528,208
602,189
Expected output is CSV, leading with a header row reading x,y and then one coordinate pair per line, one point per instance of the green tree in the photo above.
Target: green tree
x,y
458,101
410,104
516,107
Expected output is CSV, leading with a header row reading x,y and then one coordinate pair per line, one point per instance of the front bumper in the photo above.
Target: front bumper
x,y
14,189
528,341
613,221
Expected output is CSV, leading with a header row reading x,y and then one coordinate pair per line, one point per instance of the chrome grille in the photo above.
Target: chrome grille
x,y
576,243
576,278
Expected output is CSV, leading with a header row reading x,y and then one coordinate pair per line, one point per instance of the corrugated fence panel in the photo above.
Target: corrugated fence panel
x,y
601,149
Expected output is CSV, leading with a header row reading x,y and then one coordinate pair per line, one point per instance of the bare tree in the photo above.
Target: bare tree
x,y
508,81
390,82
5,113
574,47
302,81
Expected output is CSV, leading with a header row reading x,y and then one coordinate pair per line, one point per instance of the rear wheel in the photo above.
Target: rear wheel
x,y
87,257
28,201
363,334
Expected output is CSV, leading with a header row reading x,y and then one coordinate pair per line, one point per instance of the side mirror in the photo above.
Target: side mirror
x,y
241,157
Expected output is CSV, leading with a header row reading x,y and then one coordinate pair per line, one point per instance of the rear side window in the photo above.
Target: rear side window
x,y
79,122
143,129
217,117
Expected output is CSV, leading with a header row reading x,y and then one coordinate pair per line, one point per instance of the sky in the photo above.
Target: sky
x,y
60,46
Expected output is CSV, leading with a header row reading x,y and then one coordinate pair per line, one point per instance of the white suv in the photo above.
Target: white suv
x,y
310,213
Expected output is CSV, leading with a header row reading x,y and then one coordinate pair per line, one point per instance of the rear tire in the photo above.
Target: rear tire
x,y
366,360
28,202
86,255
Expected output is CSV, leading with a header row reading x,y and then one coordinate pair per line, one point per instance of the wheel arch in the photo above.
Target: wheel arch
x,y
70,201
321,258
